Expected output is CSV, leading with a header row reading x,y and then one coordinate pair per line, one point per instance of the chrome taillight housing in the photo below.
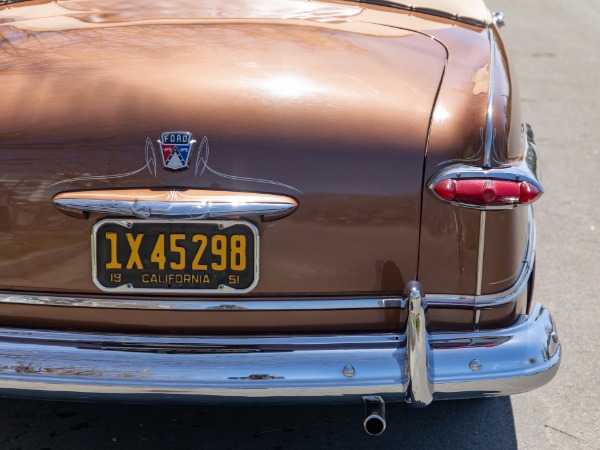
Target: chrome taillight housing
x,y
484,188
486,192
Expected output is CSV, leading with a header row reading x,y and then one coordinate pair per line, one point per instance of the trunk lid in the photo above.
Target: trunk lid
x,y
333,113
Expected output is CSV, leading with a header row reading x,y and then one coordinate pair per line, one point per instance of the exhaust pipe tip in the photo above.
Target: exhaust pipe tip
x,y
374,425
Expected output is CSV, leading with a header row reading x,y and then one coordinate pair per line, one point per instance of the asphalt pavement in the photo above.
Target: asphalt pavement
x,y
555,48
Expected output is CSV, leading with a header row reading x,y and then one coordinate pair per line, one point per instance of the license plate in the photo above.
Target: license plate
x,y
175,256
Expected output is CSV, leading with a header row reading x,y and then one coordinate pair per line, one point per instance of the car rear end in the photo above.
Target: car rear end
x,y
207,203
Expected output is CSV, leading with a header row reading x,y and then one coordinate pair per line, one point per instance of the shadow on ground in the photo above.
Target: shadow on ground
x,y
486,424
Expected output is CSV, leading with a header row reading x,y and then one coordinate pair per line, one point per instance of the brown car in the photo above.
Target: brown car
x,y
265,200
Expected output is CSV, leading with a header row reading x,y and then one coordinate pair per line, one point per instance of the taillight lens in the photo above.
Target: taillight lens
x,y
486,191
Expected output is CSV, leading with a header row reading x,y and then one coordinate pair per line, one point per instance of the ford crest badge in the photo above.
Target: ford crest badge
x,y
176,147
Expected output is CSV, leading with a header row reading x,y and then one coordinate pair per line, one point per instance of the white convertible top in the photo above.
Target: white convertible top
x,y
469,10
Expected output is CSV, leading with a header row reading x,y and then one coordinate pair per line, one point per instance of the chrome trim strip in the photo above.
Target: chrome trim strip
x,y
489,115
426,10
500,298
420,390
477,320
480,253
206,305
290,369
525,170
221,290
480,250
183,344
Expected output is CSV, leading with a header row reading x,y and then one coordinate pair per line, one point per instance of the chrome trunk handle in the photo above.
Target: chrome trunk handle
x,y
175,203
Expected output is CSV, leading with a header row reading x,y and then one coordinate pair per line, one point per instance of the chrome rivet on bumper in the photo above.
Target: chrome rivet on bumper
x,y
475,365
348,371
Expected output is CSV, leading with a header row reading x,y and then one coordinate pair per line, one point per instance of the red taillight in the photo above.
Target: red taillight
x,y
486,191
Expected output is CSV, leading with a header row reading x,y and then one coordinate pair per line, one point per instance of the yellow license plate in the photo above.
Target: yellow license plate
x,y
176,256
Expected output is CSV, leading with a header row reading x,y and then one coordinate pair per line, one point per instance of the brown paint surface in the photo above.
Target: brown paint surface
x,y
450,319
317,113
450,235
214,322
505,243
334,113
504,315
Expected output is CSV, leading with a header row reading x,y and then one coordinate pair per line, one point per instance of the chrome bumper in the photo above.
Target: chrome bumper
x,y
415,366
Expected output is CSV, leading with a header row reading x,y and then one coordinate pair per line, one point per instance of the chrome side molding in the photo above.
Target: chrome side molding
x,y
489,115
291,304
175,203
